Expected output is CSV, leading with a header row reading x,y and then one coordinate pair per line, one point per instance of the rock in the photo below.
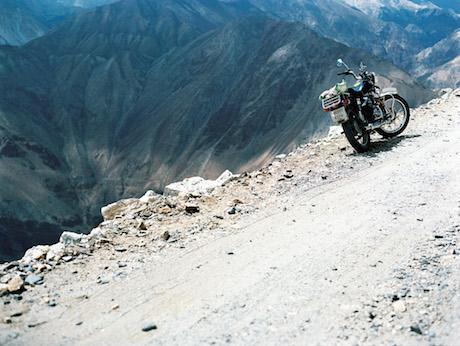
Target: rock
x,y
280,156
219,216
15,285
115,306
165,235
67,258
229,252
192,209
165,210
142,226
52,304
416,329
3,289
35,253
7,320
122,207
71,238
55,253
231,211
149,196
197,186
399,306
147,326
33,279
10,265
120,249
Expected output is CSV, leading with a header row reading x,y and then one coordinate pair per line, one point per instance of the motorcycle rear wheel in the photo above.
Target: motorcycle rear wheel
x,y
399,110
357,135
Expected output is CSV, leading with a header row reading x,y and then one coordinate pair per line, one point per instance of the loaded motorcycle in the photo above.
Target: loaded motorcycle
x,y
365,108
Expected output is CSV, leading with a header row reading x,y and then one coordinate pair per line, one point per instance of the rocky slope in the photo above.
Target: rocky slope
x,y
24,20
95,112
271,256
440,63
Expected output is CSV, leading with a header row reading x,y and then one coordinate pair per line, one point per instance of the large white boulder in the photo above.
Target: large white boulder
x,y
197,186
56,252
35,253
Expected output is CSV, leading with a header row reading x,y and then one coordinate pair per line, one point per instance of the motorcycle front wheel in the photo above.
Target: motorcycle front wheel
x,y
357,135
399,113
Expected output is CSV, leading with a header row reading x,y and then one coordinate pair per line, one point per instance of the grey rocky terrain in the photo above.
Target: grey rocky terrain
x,y
320,246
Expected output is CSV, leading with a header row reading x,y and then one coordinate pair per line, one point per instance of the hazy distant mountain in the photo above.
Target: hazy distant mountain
x,y
133,95
434,26
23,20
440,65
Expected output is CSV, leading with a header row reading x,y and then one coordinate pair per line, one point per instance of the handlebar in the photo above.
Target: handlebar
x,y
349,72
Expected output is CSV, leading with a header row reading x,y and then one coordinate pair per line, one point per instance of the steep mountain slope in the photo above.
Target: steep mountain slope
x,y
23,20
93,113
62,97
439,65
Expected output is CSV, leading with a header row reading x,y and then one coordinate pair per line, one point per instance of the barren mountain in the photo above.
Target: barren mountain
x,y
439,65
321,246
24,20
133,95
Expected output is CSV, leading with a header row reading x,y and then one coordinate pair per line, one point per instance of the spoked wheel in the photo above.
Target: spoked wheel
x,y
357,135
399,113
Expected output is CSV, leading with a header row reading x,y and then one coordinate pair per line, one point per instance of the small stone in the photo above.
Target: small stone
x,y
103,282
67,258
231,211
399,306
15,285
229,252
3,289
16,314
142,226
34,279
115,306
192,209
120,249
416,329
219,216
165,210
165,235
280,156
7,320
79,323
52,304
147,326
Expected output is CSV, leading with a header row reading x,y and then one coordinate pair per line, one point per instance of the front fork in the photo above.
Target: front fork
x,y
360,110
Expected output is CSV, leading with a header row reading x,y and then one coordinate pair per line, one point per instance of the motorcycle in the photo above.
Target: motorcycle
x,y
365,108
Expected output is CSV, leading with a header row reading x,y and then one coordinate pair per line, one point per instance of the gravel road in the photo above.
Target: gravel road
x,y
352,249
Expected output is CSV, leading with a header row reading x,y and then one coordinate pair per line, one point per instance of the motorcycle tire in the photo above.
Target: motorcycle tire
x,y
357,135
400,112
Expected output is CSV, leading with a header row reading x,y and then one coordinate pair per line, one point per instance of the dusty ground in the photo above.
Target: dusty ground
x,y
325,247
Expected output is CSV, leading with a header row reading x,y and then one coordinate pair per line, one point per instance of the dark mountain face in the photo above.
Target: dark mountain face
x,y
24,20
91,113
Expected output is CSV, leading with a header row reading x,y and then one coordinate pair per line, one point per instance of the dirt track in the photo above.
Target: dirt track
x,y
351,249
